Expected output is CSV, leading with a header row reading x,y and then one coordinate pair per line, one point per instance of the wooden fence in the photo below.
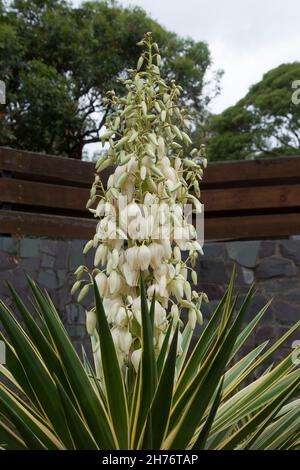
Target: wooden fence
x,y
45,196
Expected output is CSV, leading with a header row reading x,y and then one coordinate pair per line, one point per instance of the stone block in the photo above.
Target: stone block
x,y
47,279
258,302
19,279
279,286
73,313
248,275
10,245
245,253
29,247
62,278
6,276
89,258
275,266
49,247
266,332
47,261
267,248
214,250
286,313
291,249
292,295
76,255
212,271
77,331
62,255
30,265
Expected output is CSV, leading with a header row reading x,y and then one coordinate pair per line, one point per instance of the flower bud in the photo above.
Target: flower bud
x,y
105,164
175,314
99,255
197,247
133,137
153,139
197,204
187,290
144,108
133,210
115,258
121,180
140,62
143,173
121,318
75,287
186,138
199,317
177,132
157,253
162,285
135,358
192,318
88,246
125,340
177,254
91,322
144,257
101,281
177,289
79,271
167,248
132,257
151,150
151,184
82,294
161,148
114,282
105,136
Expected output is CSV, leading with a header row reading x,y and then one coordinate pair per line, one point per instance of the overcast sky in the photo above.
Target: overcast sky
x,y
246,37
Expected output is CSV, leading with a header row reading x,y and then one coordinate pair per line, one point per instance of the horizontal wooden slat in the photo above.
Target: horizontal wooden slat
x,y
68,169
43,194
45,166
245,199
25,223
71,198
261,169
260,197
250,227
219,228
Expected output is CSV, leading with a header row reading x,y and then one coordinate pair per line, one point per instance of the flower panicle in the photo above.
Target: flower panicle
x,y
142,224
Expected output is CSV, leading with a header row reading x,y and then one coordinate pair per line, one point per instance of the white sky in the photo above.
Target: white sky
x,y
246,37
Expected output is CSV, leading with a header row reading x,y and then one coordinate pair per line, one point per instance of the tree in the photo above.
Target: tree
x,y
57,60
265,122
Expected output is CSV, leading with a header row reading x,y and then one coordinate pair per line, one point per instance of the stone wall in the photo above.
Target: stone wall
x,y
273,265
51,263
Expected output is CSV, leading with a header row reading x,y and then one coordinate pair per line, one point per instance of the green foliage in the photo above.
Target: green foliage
x,y
264,122
52,400
58,61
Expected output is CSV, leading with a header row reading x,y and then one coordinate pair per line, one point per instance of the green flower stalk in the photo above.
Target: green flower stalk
x,y
143,222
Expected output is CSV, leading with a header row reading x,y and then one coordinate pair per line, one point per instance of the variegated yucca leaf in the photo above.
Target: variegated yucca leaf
x,y
203,399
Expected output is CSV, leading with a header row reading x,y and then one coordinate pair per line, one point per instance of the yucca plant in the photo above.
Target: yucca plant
x,y
50,399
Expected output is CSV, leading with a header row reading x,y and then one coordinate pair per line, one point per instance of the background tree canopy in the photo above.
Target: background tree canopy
x,y
265,122
57,62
